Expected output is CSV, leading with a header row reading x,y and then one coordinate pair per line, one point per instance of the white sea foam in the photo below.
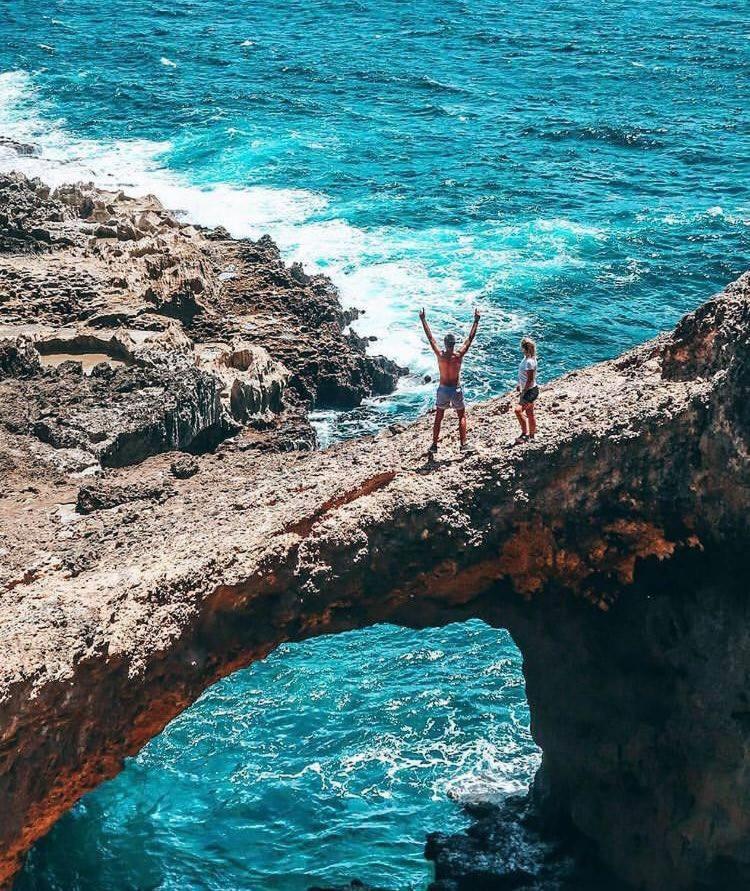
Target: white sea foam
x,y
687,218
360,262
168,62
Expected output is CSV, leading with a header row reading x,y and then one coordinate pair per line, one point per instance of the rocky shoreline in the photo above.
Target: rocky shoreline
x,y
239,342
166,520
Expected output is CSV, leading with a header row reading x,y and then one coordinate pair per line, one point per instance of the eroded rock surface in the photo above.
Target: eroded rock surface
x,y
613,548
203,335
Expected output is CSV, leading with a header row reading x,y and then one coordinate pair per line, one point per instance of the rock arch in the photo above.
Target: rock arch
x,y
613,548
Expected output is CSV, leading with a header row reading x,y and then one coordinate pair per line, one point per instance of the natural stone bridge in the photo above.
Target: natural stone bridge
x,y
614,548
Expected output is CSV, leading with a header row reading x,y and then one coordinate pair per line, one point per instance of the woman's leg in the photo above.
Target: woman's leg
x,y
520,411
531,417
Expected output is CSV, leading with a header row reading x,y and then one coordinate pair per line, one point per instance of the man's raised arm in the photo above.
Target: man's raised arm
x,y
423,320
472,334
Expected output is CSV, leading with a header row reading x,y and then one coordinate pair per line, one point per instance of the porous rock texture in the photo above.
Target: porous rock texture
x,y
614,548
204,334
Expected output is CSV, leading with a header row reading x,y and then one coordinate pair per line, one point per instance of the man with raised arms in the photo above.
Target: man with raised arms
x,y
449,393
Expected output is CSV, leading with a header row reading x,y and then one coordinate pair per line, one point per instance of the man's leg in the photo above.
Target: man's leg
x,y
462,425
439,412
531,418
521,415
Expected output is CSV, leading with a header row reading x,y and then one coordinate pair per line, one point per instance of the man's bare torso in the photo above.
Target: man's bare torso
x,y
450,368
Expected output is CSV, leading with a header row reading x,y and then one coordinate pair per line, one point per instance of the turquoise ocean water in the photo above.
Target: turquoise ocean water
x,y
579,171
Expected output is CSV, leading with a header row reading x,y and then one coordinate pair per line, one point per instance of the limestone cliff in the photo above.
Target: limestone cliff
x,y
613,548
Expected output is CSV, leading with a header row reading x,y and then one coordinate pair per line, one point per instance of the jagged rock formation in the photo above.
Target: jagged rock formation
x,y
223,327
613,548
511,845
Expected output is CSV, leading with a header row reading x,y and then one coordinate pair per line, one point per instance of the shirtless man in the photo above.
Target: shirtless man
x,y
449,393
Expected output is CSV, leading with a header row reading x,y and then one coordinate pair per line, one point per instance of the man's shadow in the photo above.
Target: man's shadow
x,y
431,464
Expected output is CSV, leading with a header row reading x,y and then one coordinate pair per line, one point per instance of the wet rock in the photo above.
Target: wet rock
x,y
508,846
24,149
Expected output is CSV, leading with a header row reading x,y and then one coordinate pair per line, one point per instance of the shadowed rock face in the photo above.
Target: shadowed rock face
x,y
642,714
613,548
119,415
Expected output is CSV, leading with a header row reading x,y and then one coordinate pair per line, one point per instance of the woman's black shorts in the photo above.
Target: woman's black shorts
x,y
529,396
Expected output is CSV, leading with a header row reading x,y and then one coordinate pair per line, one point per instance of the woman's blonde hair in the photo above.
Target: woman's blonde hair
x,y
528,346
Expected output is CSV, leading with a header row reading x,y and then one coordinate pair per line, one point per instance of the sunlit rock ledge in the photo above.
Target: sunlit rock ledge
x,y
614,548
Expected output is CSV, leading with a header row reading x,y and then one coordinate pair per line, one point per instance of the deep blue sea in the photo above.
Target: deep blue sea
x,y
580,171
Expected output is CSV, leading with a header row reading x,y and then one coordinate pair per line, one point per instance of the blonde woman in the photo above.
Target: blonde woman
x,y
527,391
